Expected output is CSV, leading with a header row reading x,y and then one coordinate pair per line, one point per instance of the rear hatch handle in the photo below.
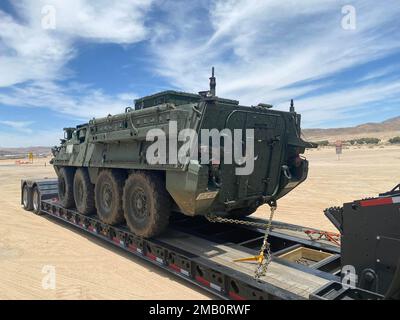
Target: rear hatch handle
x,y
286,172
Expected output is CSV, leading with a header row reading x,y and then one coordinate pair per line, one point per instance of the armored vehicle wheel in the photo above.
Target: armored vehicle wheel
x,y
26,198
36,203
108,196
243,212
65,186
146,204
83,192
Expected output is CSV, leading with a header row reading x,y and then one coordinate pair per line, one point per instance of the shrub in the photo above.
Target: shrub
x,y
352,142
394,140
323,143
364,141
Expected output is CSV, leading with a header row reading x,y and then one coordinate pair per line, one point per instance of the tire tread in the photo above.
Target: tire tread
x,y
88,200
162,203
117,216
68,174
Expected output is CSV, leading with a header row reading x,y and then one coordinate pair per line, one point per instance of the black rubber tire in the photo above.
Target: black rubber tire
x,y
65,187
143,188
242,212
36,203
108,196
26,198
83,192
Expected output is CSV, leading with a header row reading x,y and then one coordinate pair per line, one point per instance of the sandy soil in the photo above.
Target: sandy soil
x,y
89,269
85,267
360,172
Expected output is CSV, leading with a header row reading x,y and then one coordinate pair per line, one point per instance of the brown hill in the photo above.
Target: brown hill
x,y
382,130
23,152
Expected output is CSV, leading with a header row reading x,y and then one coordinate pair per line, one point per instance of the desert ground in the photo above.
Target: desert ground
x,y
85,267
89,269
361,172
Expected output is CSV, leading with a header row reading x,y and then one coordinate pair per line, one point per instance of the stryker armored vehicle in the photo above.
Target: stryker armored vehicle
x,y
103,165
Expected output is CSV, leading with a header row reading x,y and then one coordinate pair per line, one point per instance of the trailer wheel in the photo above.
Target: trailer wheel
x,y
108,196
65,186
83,192
147,205
242,212
36,203
26,198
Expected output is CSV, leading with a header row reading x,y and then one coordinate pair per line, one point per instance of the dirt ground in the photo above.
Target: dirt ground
x,y
89,269
360,173
85,267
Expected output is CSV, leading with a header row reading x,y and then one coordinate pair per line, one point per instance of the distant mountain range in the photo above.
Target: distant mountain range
x,y
382,130
23,152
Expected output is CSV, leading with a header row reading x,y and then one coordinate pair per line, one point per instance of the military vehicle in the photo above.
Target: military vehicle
x,y
102,165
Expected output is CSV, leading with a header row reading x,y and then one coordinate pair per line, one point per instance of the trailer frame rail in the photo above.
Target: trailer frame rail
x,y
220,279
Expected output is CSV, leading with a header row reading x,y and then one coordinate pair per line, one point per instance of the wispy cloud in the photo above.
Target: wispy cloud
x,y
381,73
39,138
30,52
79,101
345,104
33,60
101,21
265,50
20,126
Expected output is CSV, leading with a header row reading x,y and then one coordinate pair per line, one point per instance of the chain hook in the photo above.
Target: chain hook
x,y
264,257
272,203
263,260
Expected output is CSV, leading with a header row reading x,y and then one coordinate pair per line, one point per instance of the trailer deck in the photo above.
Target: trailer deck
x,y
203,253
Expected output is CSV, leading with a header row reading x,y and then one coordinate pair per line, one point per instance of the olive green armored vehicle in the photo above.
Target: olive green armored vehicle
x,y
104,166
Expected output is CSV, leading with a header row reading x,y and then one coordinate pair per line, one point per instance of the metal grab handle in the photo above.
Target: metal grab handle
x,y
198,112
286,172
136,130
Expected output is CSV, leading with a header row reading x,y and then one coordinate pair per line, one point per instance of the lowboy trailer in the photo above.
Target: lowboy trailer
x,y
306,263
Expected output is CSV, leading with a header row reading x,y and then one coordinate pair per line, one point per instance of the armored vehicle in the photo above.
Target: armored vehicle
x,y
103,166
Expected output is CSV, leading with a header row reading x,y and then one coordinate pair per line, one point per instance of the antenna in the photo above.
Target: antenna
x,y
292,106
213,83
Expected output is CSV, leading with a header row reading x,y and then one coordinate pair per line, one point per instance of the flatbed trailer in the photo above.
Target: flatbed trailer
x,y
305,262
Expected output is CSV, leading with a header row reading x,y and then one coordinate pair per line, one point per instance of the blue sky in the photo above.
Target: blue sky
x,y
341,65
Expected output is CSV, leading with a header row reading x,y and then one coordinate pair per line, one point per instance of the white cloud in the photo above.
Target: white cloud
x,y
380,72
33,59
265,50
345,104
101,20
79,101
39,138
20,126
31,53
